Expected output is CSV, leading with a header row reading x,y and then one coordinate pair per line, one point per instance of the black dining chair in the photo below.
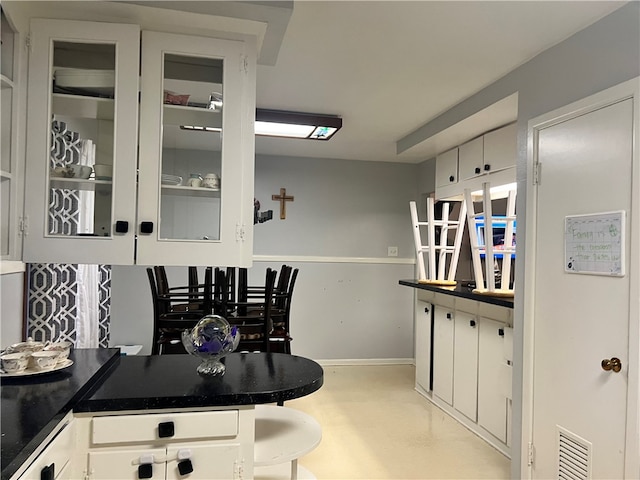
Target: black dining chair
x,y
252,317
175,311
280,338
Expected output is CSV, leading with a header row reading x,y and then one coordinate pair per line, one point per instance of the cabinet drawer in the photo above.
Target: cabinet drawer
x,y
57,453
146,428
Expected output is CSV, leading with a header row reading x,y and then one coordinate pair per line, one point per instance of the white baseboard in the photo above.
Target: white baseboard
x,y
366,361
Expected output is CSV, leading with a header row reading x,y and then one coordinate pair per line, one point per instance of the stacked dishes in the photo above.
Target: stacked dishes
x,y
170,179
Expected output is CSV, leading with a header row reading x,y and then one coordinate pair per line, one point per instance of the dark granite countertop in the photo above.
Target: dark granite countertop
x,y
101,380
32,406
460,291
171,381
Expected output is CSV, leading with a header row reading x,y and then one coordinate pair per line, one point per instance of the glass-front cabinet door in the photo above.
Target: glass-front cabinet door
x,y
82,142
196,151
10,190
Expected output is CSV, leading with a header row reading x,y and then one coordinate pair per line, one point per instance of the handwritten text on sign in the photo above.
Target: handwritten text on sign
x,y
594,244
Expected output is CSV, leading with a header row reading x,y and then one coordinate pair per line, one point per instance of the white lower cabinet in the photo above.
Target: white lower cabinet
x,y
465,365
443,353
423,344
202,462
492,401
211,444
55,461
469,362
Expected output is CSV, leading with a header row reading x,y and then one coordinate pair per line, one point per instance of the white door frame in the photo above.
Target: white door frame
x,y
628,89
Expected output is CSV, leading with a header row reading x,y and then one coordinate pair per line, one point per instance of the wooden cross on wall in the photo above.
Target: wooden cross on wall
x,y
282,198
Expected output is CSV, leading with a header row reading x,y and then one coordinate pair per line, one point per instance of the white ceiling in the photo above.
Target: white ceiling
x,y
388,67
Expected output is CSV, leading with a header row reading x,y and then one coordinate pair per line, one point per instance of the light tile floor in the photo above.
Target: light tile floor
x,y
376,426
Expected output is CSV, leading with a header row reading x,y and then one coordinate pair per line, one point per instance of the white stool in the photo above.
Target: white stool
x,y
283,435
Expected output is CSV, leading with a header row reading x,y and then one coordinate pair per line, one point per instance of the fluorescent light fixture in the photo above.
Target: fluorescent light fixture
x,y
498,191
312,126
278,123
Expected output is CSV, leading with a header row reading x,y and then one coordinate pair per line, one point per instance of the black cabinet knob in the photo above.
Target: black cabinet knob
x,y
426,309
145,470
472,323
452,178
146,227
477,170
166,429
122,226
448,316
487,167
48,473
185,467
501,332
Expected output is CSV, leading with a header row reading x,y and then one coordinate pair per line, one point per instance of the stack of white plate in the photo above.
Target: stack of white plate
x,y
171,179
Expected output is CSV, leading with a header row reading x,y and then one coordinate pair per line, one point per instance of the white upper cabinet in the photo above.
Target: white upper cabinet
x,y
10,149
103,188
196,122
447,168
500,149
472,159
488,158
83,111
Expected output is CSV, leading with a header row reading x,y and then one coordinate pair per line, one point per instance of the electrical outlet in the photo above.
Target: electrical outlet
x,y
392,251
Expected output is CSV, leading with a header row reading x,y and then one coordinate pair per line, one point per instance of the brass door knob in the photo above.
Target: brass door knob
x,y
611,364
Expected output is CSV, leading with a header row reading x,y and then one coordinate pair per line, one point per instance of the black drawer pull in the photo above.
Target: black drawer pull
x,y
501,332
48,473
448,316
426,309
477,170
472,323
452,178
185,467
122,226
166,429
145,470
487,167
146,227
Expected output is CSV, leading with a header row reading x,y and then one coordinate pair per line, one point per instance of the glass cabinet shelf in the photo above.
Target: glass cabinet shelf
x,y
78,183
187,191
83,107
188,115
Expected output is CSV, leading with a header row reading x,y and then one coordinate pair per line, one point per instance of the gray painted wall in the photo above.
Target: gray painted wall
x,y
600,56
347,302
341,208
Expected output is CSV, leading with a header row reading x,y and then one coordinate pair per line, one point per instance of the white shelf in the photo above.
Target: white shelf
x,y
183,190
6,175
186,115
77,183
283,435
79,106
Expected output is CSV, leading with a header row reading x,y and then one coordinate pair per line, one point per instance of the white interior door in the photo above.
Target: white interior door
x,y
580,411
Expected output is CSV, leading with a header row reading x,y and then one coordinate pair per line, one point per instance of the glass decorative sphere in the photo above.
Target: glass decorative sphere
x,y
211,339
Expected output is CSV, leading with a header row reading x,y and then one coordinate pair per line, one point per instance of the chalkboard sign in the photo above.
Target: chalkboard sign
x,y
594,244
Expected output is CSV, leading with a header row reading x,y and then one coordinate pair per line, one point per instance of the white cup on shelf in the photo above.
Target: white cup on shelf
x,y
103,171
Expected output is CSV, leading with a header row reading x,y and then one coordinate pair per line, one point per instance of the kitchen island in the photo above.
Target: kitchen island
x,y
103,391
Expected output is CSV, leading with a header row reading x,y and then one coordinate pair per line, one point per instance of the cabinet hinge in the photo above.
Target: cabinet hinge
x,y
537,172
27,42
23,226
244,64
238,469
530,453
239,232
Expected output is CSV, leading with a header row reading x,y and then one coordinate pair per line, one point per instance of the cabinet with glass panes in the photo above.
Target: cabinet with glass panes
x,y
10,178
105,187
